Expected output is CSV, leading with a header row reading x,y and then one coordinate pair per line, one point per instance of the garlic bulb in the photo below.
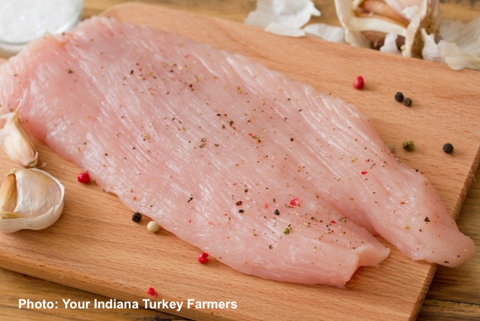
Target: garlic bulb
x,y
30,199
368,22
16,142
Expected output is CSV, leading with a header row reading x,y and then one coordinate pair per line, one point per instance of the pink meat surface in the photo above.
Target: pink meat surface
x,y
264,173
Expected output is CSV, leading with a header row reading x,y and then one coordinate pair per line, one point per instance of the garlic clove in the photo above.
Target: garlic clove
x,y
8,194
30,199
17,142
382,9
373,15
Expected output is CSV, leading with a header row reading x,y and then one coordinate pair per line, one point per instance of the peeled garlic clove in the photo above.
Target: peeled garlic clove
x,y
16,142
30,199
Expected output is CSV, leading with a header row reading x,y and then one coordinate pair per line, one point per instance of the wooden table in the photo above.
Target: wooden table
x,y
453,295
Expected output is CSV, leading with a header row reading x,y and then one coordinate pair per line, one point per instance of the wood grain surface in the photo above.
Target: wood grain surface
x,y
440,115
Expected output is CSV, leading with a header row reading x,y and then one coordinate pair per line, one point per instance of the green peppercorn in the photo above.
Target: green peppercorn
x,y
137,217
448,148
407,102
408,145
399,97
391,147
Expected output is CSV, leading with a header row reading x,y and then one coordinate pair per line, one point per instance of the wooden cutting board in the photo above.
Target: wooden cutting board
x,y
96,247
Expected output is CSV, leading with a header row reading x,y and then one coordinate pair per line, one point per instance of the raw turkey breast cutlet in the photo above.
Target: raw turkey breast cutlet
x,y
264,173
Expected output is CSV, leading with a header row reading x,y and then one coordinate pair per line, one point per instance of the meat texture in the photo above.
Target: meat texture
x,y
264,173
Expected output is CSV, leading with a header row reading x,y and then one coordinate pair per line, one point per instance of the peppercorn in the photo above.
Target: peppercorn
x,y
276,212
408,145
203,258
83,178
153,227
391,147
448,148
407,102
152,292
358,83
137,217
399,97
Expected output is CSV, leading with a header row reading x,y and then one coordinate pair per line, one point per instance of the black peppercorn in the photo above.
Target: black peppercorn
x,y
137,217
407,102
448,148
399,97
276,212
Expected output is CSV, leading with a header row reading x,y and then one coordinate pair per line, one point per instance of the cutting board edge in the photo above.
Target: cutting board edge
x,y
466,188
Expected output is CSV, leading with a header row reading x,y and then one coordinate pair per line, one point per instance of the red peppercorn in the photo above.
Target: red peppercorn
x,y
152,292
358,83
203,258
295,201
84,178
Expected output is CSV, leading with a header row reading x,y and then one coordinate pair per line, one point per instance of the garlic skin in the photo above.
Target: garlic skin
x,y
282,30
30,199
325,32
288,13
16,142
458,46
390,44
